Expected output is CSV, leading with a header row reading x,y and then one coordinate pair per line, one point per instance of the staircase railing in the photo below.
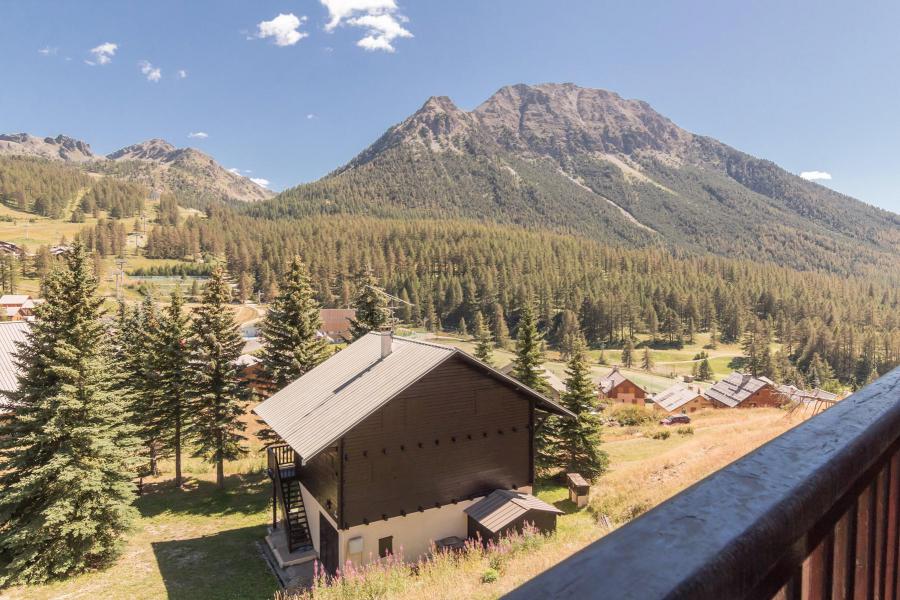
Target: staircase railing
x,y
815,513
283,469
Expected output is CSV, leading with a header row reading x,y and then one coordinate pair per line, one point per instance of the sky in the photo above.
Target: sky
x,y
286,91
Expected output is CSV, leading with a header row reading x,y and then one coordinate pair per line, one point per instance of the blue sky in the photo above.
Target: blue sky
x,y
813,86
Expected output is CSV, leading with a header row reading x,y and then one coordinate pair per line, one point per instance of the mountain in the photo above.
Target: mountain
x,y
186,172
587,161
192,175
59,148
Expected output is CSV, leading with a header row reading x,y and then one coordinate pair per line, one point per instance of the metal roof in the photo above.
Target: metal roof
x,y
736,388
552,378
796,394
673,398
10,333
502,507
317,409
612,380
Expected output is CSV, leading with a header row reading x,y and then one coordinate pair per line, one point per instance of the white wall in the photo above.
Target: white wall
x,y
313,510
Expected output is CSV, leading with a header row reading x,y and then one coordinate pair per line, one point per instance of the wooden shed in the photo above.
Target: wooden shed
x,y
504,512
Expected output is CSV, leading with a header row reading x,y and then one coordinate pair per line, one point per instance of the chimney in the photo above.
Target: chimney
x,y
387,341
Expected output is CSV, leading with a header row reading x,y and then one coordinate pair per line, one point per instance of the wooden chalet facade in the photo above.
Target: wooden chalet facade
x,y
619,388
389,441
740,390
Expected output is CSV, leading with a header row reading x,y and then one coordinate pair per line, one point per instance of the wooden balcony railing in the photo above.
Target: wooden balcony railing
x,y
812,514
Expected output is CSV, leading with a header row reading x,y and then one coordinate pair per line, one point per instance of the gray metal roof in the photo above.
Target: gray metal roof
x,y
736,388
10,333
673,398
316,410
614,378
502,507
796,394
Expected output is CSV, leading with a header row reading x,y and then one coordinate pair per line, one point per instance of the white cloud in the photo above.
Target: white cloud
x,y
182,74
48,51
152,73
198,135
815,175
260,181
234,170
103,54
284,28
379,18
310,116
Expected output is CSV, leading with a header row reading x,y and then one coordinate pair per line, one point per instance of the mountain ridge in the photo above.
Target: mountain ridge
x,y
587,161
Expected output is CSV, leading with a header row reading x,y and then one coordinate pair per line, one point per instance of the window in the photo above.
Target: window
x,y
386,546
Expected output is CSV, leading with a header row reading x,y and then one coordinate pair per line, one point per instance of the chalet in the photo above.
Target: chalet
x,y
11,333
17,307
616,386
681,398
739,390
250,370
791,393
388,443
336,323
555,386
10,248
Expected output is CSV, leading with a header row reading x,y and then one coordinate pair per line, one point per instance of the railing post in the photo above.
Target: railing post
x,y
274,506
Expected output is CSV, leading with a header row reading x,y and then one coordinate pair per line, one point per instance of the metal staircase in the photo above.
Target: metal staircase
x,y
283,471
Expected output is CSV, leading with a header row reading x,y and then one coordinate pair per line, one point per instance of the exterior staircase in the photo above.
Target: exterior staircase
x,y
283,470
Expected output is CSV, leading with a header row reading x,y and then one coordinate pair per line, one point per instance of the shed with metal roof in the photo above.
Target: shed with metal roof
x,y
509,511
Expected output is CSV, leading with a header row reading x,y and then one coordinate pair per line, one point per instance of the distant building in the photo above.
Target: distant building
x,y
390,444
17,307
250,368
60,250
619,388
10,248
336,323
794,394
681,398
11,333
556,386
740,390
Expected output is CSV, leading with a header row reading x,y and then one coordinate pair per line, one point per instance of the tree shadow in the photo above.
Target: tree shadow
x,y
567,506
242,494
737,363
224,565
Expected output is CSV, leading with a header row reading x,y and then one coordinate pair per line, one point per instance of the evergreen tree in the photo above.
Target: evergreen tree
x,y
577,444
66,458
647,360
484,350
500,328
528,364
371,306
172,355
217,390
704,371
291,346
628,354
143,380
463,331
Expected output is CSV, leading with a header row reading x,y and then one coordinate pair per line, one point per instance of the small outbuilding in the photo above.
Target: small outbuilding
x,y
508,511
579,489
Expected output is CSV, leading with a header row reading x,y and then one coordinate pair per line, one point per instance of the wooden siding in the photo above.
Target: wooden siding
x,y
627,392
320,476
454,434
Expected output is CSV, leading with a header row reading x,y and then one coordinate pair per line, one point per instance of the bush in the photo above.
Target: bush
x,y
685,430
630,414
662,434
490,576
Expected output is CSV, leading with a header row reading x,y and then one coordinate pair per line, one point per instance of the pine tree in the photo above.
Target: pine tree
x,y
577,446
484,350
500,328
528,365
217,390
628,354
66,459
143,380
371,306
704,371
463,331
172,356
292,346
647,360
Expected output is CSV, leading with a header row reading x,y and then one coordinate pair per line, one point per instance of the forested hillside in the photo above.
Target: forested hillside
x,y
590,162
450,269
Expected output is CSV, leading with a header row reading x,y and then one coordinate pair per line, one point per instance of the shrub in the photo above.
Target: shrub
x,y
490,576
685,430
630,414
661,434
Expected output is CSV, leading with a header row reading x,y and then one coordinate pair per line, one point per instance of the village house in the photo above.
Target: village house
x,y
394,444
740,390
17,307
681,398
556,387
336,323
11,333
619,388
791,393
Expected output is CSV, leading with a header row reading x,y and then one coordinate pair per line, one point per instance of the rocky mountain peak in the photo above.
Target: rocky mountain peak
x,y
59,148
155,149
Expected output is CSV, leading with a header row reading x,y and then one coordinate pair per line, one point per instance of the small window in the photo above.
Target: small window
x,y
386,546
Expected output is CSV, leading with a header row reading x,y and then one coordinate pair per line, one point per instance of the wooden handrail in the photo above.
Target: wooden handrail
x,y
814,513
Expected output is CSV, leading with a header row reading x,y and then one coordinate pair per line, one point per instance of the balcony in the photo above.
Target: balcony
x,y
812,514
